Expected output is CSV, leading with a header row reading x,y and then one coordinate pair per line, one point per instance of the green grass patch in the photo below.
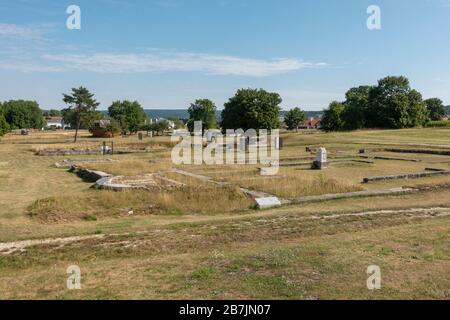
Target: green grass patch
x,y
272,286
203,273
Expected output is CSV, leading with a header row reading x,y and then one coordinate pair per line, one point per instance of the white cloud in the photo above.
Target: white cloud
x,y
25,48
24,66
16,31
168,61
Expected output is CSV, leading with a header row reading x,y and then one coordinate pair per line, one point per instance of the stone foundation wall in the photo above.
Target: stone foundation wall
x,y
89,175
424,151
406,176
68,152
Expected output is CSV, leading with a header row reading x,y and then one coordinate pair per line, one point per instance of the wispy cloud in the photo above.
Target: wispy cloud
x,y
26,49
164,61
17,31
168,61
27,66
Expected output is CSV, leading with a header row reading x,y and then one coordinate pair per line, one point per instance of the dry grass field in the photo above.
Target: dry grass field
x,y
205,239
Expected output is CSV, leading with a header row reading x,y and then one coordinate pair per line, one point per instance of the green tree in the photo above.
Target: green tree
x,y
435,108
294,118
252,109
162,125
130,115
393,104
22,114
157,127
86,121
113,127
332,117
82,102
418,114
203,110
52,113
4,126
356,104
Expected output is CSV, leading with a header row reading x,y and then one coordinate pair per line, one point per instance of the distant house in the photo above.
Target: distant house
x,y
99,129
55,123
312,123
170,123
102,123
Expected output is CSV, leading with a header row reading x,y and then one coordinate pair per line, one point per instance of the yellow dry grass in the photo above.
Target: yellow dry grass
x,y
109,204
186,242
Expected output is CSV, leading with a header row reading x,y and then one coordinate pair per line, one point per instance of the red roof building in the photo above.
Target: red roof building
x,y
313,123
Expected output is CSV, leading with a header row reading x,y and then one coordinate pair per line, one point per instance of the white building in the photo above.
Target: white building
x,y
170,123
55,122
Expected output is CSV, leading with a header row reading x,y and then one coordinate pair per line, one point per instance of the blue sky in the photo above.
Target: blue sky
x,y
167,53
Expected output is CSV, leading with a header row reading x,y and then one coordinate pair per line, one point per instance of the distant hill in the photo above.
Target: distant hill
x,y
447,110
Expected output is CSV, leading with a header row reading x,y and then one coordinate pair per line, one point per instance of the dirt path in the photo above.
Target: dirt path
x,y
7,248
416,212
10,247
354,194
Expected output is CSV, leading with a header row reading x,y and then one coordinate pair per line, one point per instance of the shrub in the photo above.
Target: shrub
x,y
4,126
439,124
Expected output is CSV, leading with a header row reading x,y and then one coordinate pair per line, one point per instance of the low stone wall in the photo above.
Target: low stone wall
x,y
68,152
362,151
424,151
106,181
354,194
71,162
406,176
435,169
92,151
89,175
362,161
390,158
111,183
149,182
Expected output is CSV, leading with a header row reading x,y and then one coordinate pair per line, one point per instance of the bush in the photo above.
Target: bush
x,y
114,127
439,124
4,126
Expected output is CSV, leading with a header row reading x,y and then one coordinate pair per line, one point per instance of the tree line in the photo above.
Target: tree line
x,y
249,108
391,104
